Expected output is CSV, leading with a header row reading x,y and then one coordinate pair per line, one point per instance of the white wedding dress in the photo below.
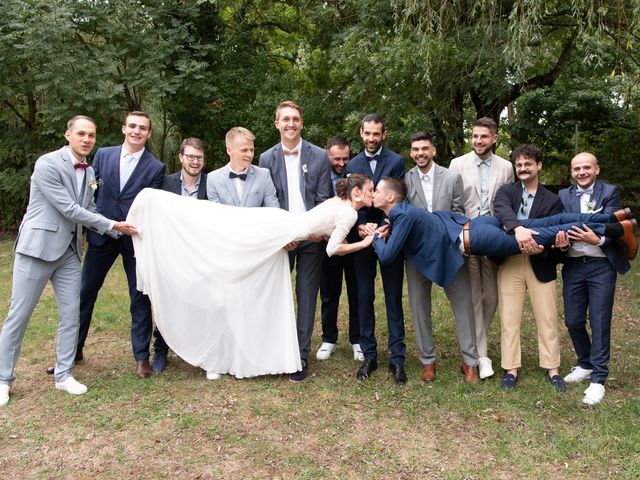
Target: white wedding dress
x,y
218,277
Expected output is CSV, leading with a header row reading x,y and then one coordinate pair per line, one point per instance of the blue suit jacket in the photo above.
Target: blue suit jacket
x,y
390,164
110,201
505,206
429,240
607,198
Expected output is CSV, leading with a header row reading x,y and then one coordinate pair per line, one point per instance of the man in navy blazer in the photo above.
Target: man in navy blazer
x,y
376,161
302,176
589,277
121,172
535,274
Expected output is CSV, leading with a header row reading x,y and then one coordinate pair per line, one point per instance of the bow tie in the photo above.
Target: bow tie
x,y
588,191
291,153
81,165
373,158
241,176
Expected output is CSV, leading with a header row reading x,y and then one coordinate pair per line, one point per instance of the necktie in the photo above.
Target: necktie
x,y
126,172
241,176
81,165
291,153
588,191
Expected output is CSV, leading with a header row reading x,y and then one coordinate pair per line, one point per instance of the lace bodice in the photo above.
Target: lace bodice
x,y
333,218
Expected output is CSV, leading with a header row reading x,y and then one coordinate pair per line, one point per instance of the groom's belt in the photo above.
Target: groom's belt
x,y
465,238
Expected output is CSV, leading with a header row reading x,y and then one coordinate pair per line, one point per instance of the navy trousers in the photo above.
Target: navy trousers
x,y
589,283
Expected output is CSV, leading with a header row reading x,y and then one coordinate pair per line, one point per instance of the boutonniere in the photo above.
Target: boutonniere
x,y
590,206
94,184
304,169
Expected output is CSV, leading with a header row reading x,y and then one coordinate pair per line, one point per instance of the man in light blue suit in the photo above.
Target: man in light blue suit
x,y
49,246
239,183
123,171
301,174
589,277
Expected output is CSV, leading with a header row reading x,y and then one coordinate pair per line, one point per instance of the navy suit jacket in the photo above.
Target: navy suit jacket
x,y
171,183
110,201
390,164
506,205
314,173
607,200
430,241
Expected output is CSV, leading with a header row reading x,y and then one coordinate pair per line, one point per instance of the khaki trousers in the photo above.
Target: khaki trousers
x,y
515,277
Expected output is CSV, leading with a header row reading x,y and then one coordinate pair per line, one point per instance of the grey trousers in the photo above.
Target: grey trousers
x,y
459,295
30,275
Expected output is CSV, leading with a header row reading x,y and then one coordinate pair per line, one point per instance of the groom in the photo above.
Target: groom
x,y
48,247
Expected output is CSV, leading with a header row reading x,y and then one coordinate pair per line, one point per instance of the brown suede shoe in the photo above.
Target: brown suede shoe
x,y
470,373
630,237
623,214
428,373
143,369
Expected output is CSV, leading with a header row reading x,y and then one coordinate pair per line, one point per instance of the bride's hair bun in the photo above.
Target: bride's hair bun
x,y
344,186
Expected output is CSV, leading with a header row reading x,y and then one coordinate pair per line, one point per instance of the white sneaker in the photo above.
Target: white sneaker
x,y
578,374
72,386
325,351
593,394
4,394
485,367
213,376
358,356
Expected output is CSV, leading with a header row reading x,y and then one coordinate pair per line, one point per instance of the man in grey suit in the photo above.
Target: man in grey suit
x,y
432,188
302,176
239,183
48,247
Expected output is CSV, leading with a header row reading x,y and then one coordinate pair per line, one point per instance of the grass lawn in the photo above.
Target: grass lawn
x,y
178,425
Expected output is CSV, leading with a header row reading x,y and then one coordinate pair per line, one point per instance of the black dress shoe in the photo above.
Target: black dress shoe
x,y
367,367
51,370
398,373
79,356
300,375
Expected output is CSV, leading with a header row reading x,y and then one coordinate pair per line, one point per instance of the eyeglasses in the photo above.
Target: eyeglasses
x,y
192,158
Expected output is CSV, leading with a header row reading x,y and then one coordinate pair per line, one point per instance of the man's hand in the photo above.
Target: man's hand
x,y
524,237
290,246
315,238
562,241
585,234
367,229
125,228
383,232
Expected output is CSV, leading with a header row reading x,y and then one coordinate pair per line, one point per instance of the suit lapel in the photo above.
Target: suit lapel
x,y
280,172
248,185
474,175
597,195
304,165
437,184
71,173
231,186
574,199
417,186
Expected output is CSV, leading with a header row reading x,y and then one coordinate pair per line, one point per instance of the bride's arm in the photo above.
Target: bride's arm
x,y
337,244
345,248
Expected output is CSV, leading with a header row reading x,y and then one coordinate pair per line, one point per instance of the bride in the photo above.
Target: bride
x,y
218,276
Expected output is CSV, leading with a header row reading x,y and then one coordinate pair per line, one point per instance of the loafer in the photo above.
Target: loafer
x,y
485,367
428,373
300,375
593,394
143,369
325,350
470,373
367,368
72,386
399,375
509,381
358,356
622,214
159,363
557,382
4,394
578,374
630,237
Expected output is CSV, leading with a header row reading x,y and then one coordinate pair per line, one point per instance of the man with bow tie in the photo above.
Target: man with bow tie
x,y
589,276
48,248
302,176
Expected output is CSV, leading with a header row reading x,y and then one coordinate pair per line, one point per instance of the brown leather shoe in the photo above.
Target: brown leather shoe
x,y
630,237
623,214
143,369
470,373
428,373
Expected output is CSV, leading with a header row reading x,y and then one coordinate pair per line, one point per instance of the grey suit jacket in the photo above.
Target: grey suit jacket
x,y
314,173
56,209
258,188
448,190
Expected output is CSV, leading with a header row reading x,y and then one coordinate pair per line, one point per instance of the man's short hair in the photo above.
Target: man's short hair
x,y
191,142
75,118
138,113
337,141
528,150
421,135
288,104
397,186
236,132
375,118
487,122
